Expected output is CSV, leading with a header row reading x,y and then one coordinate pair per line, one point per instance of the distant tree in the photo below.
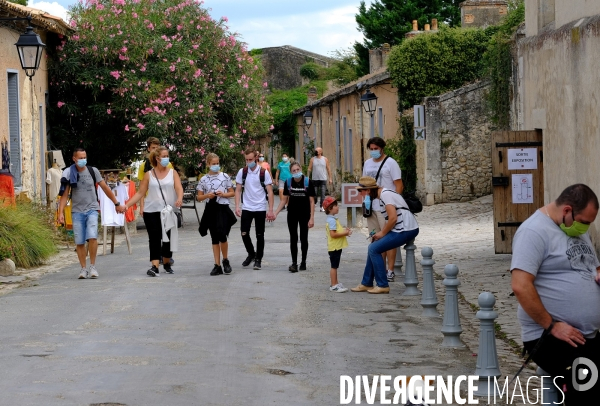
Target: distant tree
x,y
386,21
21,2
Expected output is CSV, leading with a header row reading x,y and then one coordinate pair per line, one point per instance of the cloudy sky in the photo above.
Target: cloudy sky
x,y
320,26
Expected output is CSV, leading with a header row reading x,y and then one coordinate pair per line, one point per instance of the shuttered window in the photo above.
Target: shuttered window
x,y
14,132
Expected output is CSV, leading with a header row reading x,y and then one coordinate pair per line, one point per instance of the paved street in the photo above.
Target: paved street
x,y
253,337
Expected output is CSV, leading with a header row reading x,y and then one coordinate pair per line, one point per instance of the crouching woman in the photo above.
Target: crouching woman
x,y
400,228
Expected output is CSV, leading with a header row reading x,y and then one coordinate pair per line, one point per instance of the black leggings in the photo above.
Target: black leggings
x,y
294,220
259,218
154,228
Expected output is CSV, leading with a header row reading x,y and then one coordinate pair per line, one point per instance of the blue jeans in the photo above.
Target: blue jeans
x,y
85,226
375,268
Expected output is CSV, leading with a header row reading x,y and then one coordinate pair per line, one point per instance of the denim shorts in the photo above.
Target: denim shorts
x,y
85,226
334,258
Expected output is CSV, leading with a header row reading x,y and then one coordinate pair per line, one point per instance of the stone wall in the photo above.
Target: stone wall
x,y
457,150
282,65
482,13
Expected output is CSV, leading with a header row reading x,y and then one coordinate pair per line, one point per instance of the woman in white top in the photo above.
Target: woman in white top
x,y
216,187
161,187
400,228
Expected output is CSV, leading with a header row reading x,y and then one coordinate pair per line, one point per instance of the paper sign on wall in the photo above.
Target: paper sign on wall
x,y
522,188
522,158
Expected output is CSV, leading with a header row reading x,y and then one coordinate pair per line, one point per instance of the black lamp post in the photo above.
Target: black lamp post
x,y
369,102
30,48
307,119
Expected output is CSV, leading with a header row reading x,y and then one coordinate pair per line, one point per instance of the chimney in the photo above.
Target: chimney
x,y
426,27
415,25
434,26
312,94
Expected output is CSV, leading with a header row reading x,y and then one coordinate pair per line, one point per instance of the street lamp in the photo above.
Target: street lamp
x,y
30,48
307,119
369,102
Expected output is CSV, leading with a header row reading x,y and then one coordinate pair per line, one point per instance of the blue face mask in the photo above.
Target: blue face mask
x,y
297,175
367,202
215,168
252,164
164,162
375,154
81,163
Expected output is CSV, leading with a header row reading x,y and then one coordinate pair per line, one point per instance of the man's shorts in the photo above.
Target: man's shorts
x,y
376,221
334,258
85,226
281,183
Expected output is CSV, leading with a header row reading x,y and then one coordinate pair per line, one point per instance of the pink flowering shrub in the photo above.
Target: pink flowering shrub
x,y
136,69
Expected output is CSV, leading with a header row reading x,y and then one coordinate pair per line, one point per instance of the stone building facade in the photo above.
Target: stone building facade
x,y
482,13
23,101
454,162
282,65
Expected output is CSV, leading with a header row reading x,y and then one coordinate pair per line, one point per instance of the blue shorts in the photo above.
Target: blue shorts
x,y
85,226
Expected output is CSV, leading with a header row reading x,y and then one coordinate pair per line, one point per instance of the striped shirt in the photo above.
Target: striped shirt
x,y
405,221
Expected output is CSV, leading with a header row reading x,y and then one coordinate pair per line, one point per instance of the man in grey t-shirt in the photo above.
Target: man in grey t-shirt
x,y
555,274
78,181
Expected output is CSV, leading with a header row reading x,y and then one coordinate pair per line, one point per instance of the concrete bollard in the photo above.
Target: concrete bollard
x,y
410,278
549,392
451,328
428,299
398,264
487,358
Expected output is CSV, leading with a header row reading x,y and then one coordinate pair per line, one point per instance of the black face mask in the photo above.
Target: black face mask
x,y
316,153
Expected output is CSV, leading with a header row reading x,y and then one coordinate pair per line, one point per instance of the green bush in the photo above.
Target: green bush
x,y
498,62
403,149
311,71
432,64
26,235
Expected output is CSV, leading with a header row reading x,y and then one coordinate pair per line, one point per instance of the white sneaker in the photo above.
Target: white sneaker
x,y
339,288
93,272
83,274
322,209
390,275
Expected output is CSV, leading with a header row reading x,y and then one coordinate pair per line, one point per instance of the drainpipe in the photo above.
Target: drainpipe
x,y
362,132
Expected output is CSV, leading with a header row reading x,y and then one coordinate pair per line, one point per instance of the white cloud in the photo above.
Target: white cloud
x,y
321,32
53,8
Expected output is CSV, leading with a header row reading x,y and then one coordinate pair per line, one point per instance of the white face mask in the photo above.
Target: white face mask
x,y
285,159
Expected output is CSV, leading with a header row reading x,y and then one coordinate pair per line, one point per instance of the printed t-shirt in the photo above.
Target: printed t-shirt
x,y
564,268
220,182
83,197
299,200
390,172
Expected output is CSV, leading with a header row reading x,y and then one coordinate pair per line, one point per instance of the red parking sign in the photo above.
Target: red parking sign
x,y
350,196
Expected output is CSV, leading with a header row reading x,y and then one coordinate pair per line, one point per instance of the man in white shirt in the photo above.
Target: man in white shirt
x,y
321,172
386,172
254,189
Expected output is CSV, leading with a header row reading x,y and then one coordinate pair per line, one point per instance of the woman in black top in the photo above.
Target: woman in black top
x,y
299,195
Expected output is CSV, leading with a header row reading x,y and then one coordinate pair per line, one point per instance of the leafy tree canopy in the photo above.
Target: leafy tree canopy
x,y
431,64
386,21
161,68
21,2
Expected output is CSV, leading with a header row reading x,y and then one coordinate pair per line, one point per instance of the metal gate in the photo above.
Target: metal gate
x,y
517,182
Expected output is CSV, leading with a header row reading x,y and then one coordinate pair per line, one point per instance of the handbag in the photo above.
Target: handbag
x,y
177,212
413,202
368,212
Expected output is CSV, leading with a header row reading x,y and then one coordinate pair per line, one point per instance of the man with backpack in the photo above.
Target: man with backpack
x,y
253,191
386,172
79,181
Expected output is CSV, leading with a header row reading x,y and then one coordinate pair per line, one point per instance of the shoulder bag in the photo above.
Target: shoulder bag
x,y
177,212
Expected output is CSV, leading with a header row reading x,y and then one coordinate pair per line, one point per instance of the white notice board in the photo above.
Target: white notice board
x,y
522,188
522,158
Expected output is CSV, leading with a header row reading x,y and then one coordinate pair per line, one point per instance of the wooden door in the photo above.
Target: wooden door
x,y
515,197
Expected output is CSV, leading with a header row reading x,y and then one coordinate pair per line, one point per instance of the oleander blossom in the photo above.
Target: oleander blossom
x,y
183,78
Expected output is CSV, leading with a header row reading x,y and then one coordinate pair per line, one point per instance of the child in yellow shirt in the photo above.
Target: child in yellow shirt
x,y
336,241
